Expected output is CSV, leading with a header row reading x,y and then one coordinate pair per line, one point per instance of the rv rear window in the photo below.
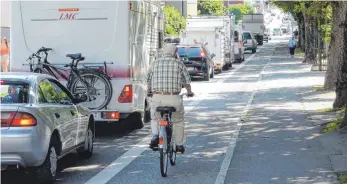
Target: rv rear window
x,y
189,52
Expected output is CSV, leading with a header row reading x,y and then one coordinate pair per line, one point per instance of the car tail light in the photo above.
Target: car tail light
x,y
2,82
126,95
240,43
19,119
6,118
110,115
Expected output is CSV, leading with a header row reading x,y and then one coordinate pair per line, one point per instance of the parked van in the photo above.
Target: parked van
x,y
126,34
239,50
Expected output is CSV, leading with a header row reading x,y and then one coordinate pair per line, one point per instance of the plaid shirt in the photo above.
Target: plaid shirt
x,y
167,74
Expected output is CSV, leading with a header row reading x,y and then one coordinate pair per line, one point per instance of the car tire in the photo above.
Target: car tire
x,y
207,75
212,73
86,151
226,67
254,51
147,114
46,172
243,58
136,120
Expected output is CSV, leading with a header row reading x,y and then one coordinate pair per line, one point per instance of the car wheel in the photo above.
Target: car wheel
x,y
46,173
254,51
243,58
226,67
136,119
207,75
212,73
87,150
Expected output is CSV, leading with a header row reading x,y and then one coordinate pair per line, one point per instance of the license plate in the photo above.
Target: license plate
x,y
190,69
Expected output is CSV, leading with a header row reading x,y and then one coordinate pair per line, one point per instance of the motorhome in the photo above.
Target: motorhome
x,y
126,34
211,30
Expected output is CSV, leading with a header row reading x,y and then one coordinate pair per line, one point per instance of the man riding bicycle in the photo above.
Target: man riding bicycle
x,y
165,79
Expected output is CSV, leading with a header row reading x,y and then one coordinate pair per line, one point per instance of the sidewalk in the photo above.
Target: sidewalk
x,y
279,143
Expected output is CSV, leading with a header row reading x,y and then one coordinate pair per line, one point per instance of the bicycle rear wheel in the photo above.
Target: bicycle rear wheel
x,y
99,88
164,156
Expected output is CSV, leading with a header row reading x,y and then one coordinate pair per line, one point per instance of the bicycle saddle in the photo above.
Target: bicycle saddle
x,y
166,109
74,56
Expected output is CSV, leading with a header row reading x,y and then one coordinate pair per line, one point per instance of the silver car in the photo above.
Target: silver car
x,y
40,123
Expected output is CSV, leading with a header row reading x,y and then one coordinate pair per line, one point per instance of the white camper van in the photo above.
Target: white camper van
x,y
213,30
124,33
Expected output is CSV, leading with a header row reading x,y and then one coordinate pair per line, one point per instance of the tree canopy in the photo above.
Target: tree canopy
x,y
211,7
239,10
174,21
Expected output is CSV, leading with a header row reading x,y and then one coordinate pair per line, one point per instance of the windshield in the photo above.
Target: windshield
x,y
189,52
14,92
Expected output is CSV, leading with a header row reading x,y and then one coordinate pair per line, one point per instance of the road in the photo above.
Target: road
x,y
243,126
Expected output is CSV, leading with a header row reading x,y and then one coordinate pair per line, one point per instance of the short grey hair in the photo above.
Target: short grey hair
x,y
169,50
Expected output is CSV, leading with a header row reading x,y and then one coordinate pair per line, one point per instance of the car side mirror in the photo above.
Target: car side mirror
x,y
79,98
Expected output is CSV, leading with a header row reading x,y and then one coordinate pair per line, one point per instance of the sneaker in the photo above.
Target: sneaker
x,y
154,143
180,149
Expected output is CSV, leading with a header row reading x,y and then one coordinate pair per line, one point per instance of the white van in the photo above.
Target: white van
x,y
126,33
238,47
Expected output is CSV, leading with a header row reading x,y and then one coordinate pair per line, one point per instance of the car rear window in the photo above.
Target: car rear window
x,y
14,92
189,52
247,35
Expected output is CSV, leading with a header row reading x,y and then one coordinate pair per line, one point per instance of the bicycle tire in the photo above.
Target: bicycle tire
x,y
84,73
164,157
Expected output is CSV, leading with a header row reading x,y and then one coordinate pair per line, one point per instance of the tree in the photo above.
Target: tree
x,y
239,10
211,7
174,21
335,48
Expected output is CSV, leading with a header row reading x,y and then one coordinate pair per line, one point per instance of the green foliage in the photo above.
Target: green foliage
x,y
239,10
175,22
333,126
211,7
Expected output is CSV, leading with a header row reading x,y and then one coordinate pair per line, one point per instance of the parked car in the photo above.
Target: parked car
x,y
249,41
198,60
277,32
239,50
41,121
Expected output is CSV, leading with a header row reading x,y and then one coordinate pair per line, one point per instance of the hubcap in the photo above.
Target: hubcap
x,y
53,161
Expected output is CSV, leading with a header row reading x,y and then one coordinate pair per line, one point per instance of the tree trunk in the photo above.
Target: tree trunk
x,y
344,67
341,86
310,50
301,42
336,41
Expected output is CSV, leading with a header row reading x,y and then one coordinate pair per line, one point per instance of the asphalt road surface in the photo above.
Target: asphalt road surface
x,y
240,128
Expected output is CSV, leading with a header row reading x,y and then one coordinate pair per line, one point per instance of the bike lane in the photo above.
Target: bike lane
x,y
209,128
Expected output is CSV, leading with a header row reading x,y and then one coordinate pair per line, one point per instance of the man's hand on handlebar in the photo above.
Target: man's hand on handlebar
x,y
190,94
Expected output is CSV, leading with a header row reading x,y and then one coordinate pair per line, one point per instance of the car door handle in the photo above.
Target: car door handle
x,y
57,115
73,112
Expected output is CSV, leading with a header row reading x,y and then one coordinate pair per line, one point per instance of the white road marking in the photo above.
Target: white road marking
x,y
230,152
121,162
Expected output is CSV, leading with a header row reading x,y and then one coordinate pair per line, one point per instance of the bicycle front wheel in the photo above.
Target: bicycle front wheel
x,y
163,156
97,87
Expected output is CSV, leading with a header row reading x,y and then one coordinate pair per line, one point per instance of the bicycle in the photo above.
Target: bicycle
x,y
75,76
167,144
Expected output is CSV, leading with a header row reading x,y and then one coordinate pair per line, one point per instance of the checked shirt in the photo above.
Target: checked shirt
x,y
167,75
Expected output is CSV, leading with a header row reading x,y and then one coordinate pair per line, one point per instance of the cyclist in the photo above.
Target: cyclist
x,y
165,79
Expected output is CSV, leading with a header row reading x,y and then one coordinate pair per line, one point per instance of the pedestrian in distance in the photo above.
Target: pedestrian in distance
x,y
292,45
5,55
